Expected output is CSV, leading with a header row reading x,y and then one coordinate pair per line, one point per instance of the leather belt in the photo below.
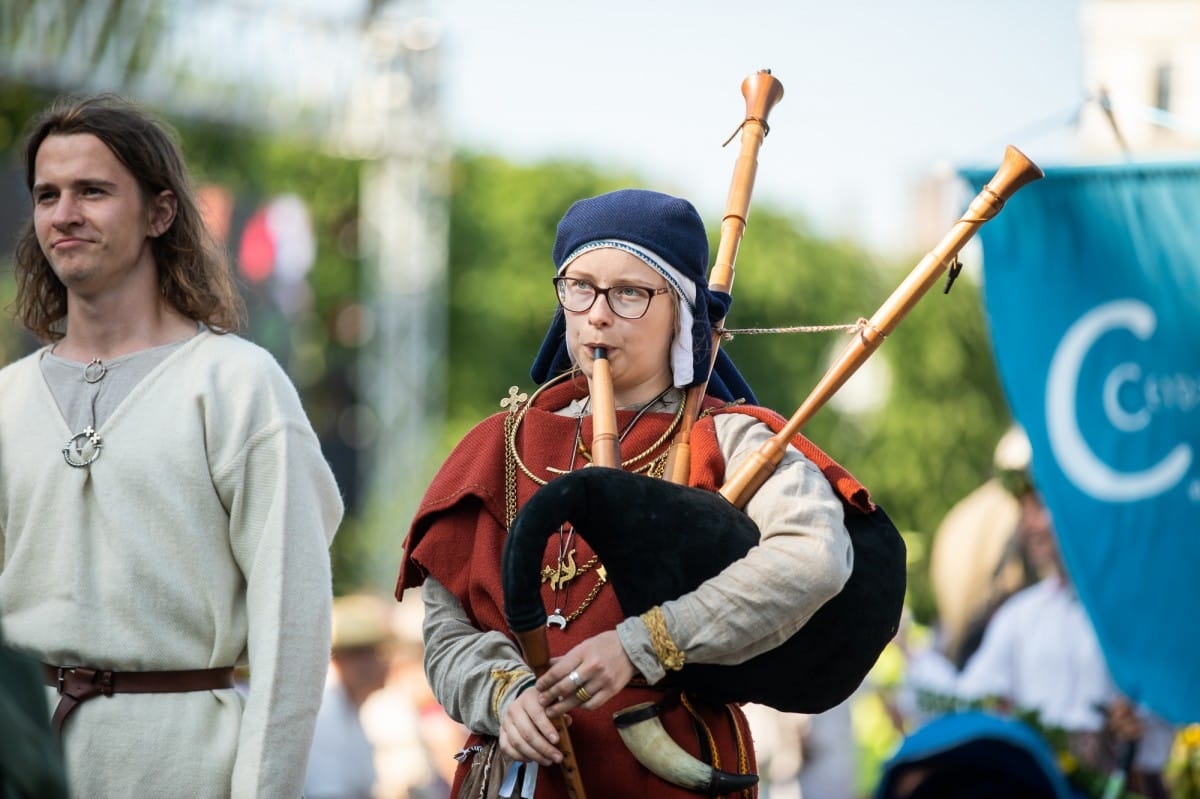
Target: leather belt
x,y
77,684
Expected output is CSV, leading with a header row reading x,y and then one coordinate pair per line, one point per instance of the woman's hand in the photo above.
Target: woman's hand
x,y
527,732
588,676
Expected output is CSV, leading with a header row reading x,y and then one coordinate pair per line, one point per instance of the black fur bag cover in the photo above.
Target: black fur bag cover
x,y
659,540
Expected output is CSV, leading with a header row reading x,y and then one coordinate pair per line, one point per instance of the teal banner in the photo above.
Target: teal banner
x,y
1092,287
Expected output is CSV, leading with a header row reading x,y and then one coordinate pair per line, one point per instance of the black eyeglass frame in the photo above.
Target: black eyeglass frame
x,y
597,291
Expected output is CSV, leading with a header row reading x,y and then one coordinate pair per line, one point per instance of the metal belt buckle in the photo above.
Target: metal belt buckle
x,y
106,681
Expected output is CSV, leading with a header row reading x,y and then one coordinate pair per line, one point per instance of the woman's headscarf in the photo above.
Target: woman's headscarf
x,y
667,234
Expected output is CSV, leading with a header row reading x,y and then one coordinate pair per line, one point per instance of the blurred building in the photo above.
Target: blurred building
x,y
1140,99
1142,65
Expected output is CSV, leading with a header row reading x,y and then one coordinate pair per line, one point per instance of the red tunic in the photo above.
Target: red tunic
x,y
457,536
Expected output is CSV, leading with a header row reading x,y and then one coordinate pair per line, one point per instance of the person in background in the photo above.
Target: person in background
x,y
165,508
982,554
413,738
341,764
828,754
778,747
804,756
1039,653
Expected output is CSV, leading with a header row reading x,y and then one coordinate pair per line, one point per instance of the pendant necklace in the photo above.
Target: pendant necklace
x,y
567,570
83,448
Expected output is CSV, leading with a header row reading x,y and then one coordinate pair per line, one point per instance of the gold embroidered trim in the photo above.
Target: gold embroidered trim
x,y
743,752
668,654
708,734
505,680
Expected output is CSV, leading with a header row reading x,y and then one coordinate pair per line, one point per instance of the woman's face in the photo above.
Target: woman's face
x,y
639,350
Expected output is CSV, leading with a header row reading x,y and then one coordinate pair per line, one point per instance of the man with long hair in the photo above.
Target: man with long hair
x,y
165,509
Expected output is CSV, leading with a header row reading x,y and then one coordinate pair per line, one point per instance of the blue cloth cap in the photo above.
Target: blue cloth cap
x,y
671,228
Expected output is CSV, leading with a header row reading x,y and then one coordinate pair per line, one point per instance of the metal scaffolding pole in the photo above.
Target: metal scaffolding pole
x,y
403,219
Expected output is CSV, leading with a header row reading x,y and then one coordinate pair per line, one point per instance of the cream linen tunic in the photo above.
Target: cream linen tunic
x,y
198,539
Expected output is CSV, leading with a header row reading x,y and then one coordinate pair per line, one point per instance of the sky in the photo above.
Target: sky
x,y
877,93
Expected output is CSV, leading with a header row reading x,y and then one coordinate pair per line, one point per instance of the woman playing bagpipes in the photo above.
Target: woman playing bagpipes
x,y
633,305
606,607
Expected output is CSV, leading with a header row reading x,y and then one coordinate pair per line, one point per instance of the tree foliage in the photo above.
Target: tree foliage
x,y
502,224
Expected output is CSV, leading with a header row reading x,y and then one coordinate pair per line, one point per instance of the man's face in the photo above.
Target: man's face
x,y
1037,534
92,221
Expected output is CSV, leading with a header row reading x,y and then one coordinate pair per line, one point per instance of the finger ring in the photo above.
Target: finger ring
x,y
582,694
574,677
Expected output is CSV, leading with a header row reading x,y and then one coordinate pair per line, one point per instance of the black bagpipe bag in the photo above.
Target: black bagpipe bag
x,y
659,540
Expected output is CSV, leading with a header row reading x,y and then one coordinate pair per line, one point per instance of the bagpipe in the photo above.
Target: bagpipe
x,y
660,538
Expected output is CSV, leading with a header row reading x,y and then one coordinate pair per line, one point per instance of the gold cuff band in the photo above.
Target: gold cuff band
x,y
668,654
505,680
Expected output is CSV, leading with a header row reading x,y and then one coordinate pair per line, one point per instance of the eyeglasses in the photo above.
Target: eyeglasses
x,y
627,302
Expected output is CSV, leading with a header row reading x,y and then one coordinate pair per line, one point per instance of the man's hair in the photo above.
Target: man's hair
x,y
193,272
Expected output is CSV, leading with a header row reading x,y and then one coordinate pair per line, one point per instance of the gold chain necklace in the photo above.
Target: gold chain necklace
x,y
628,464
513,422
565,573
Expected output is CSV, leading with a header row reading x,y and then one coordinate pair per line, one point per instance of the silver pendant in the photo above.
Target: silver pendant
x,y
556,619
95,371
82,449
